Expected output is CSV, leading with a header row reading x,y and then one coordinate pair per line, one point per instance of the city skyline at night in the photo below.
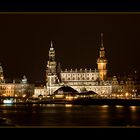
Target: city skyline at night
x,y
70,65
25,41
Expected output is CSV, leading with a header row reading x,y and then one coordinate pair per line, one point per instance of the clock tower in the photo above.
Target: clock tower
x,y
102,61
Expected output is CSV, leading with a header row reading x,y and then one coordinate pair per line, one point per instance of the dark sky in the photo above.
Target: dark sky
x,y
25,42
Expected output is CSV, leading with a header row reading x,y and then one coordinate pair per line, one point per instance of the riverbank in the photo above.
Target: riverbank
x,y
108,102
87,102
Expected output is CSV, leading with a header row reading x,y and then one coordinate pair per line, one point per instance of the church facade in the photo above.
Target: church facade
x,y
79,79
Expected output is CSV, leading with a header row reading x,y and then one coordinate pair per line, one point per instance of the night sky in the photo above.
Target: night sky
x,y
25,42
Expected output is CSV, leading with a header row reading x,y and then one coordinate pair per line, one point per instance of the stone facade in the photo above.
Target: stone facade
x,y
90,79
22,89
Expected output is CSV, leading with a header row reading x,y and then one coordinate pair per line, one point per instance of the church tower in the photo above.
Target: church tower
x,y
102,61
51,65
51,72
1,75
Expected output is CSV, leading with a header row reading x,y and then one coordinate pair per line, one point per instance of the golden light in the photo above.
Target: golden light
x,y
68,105
126,94
75,97
69,97
104,106
133,90
24,95
119,106
59,96
9,87
133,108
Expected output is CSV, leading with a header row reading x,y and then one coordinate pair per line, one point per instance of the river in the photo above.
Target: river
x,y
60,115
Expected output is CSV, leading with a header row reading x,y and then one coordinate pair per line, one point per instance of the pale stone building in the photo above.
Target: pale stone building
x,y
39,91
22,89
91,79
125,86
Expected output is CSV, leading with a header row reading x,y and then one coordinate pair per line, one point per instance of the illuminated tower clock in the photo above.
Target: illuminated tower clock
x,y
102,61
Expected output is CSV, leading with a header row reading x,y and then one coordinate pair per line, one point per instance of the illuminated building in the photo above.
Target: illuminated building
x,y
65,92
102,61
17,90
39,90
125,86
91,79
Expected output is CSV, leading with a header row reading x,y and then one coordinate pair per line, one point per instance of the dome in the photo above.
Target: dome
x,y
90,92
65,89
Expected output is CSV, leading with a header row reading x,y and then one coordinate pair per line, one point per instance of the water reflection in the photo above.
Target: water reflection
x,y
51,105
119,106
68,105
133,108
104,106
7,104
71,115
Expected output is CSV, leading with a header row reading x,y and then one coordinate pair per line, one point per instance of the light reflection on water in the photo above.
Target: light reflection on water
x,y
133,108
119,106
68,105
105,106
71,115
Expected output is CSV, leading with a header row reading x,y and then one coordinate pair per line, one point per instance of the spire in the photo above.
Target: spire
x,y
102,45
102,50
51,44
51,48
51,52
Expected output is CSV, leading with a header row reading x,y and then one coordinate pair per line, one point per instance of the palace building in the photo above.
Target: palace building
x,y
83,82
78,79
21,89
